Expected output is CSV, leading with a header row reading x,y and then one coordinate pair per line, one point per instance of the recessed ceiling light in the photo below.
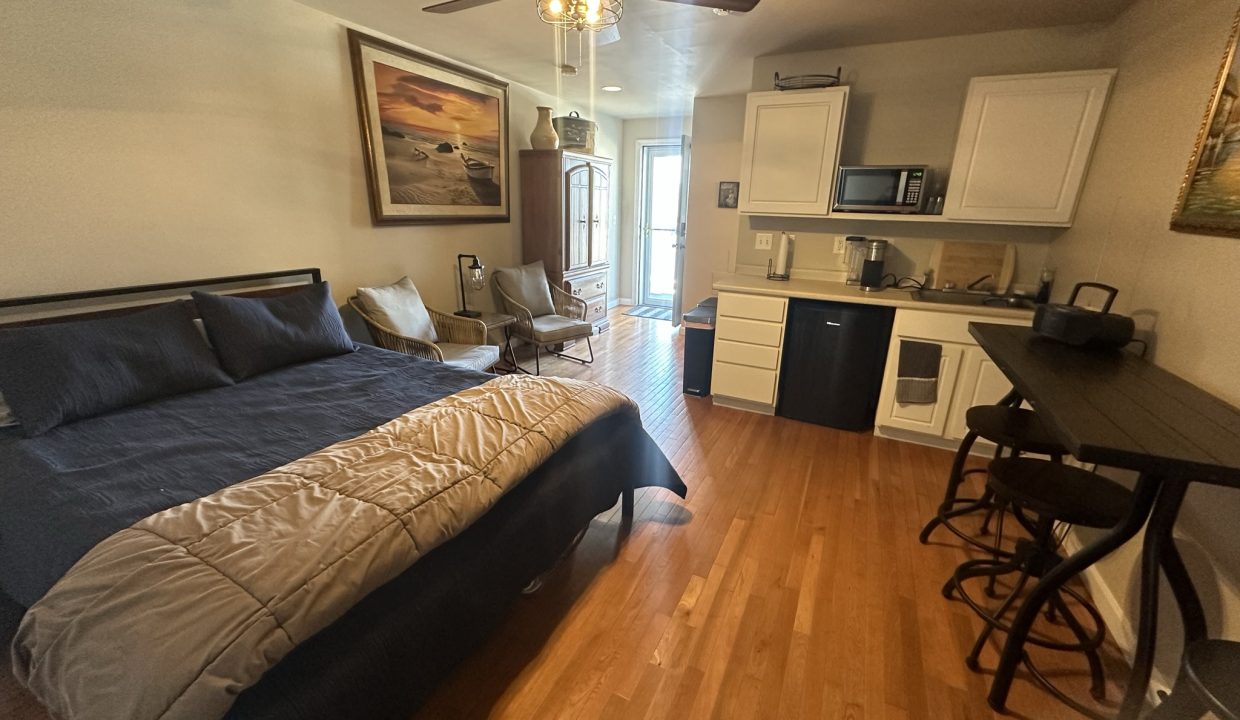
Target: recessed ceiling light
x,y
612,88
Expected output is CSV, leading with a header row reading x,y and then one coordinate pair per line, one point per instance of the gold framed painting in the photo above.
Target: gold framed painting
x,y
1209,201
434,136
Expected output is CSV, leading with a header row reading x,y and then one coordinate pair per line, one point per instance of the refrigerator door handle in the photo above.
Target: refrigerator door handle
x,y
833,324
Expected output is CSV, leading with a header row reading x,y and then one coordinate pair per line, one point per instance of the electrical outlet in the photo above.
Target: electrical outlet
x,y
841,241
762,241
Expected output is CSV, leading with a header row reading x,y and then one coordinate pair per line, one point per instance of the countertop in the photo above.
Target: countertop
x,y
839,292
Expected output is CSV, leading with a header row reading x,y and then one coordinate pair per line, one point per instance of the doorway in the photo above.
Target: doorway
x,y
658,206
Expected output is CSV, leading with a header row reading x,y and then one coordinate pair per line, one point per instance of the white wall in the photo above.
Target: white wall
x,y
710,242
904,107
1179,285
149,141
625,252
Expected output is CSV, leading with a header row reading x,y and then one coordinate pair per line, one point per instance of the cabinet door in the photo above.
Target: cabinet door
x,y
577,221
600,205
791,150
981,383
1024,146
930,419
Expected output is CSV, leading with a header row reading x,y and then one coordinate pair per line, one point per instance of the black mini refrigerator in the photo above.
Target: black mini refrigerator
x,y
834,356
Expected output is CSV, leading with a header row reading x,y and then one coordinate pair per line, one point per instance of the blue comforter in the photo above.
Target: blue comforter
x,y
64,491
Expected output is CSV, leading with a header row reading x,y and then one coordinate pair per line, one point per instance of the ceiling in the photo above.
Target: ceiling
x,y
669,53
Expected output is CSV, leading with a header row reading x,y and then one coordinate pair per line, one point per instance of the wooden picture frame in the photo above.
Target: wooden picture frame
x,y
434,136
1208,203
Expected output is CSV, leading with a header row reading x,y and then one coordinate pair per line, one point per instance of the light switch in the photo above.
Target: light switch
x,y
763,241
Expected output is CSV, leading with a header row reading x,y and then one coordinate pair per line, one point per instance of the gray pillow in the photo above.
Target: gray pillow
x,y
528,286
254,335
54,374
399,307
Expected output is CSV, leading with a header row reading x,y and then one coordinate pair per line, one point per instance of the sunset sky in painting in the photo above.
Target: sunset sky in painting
x,y
422,102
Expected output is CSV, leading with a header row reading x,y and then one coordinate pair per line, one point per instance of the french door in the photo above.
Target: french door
x,y
659,222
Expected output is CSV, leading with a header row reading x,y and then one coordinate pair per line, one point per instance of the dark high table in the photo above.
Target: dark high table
x,y
1119,410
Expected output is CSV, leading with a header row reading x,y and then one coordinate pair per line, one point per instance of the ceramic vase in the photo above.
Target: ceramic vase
x,y
544,137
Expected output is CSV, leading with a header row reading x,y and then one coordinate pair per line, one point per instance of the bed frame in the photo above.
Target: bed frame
x,y
65,307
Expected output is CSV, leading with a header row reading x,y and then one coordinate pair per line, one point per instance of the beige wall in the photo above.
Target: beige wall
x,y
1179,286
904,107
624,252
710,241
150,141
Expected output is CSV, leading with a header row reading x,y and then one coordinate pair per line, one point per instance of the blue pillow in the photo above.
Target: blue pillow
x,y
58,373
254,335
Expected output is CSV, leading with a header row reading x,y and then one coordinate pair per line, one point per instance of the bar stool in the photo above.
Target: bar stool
x,y
1054,493
1209,680
1017,429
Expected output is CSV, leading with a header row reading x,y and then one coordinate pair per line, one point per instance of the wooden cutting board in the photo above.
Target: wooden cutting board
x,y
963,262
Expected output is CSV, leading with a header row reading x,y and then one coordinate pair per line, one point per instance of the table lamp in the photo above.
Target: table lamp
x,y
476,281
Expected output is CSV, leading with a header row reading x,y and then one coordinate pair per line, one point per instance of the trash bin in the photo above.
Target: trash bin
x,y
699,347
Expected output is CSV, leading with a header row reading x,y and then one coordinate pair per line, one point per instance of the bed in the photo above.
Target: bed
x,y
63,492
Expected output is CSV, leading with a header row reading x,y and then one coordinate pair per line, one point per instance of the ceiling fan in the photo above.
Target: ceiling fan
x,y
737,6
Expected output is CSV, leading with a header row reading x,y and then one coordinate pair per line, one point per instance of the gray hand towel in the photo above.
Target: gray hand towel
x,y
917,376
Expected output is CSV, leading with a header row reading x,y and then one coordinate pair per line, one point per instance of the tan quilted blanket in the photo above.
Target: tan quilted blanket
x,y
174,616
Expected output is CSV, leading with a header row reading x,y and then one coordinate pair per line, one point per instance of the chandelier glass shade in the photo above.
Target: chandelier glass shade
x,y
580,14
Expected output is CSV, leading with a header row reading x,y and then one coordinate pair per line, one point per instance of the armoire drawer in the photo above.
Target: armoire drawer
x,y
587,286
596,309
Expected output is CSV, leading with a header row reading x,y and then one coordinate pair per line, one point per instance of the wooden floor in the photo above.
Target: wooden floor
x,y
789,585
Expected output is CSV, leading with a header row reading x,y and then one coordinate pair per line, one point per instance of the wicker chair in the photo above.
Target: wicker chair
x,y
462,341
568,323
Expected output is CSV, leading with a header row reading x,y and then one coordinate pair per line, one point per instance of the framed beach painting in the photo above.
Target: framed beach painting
x,y
434,135
1209,199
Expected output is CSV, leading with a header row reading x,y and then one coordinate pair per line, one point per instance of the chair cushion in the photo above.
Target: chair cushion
x,y
255,334
61,372
555,328
528,286
399,306
470,357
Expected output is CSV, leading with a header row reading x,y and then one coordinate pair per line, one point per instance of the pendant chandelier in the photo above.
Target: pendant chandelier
x,y
581,14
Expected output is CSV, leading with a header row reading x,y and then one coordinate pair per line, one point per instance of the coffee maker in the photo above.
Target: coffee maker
x,y
872,274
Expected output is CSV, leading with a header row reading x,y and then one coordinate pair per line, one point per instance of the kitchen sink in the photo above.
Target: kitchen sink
x,y
964,297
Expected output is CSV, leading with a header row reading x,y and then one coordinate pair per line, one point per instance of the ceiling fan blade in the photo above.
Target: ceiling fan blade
x,y
452,6
738,6
607,35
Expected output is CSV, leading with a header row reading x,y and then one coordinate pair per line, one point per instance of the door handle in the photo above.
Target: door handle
x,y
833,324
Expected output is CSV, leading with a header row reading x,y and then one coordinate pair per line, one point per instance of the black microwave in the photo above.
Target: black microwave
x,y
881,189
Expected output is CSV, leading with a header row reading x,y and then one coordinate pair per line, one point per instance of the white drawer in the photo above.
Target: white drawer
x,y
754,332
743,383
758,356
753,307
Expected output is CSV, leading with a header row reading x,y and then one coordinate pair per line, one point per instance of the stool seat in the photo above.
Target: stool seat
x,y
1214,667
1061,492
1013,427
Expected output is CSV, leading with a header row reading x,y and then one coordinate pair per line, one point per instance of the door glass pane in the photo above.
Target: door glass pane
x,y
663,186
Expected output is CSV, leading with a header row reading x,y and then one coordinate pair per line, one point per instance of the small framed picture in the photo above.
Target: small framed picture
x,y
729,193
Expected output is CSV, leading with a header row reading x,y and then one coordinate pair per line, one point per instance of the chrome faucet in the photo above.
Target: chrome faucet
x,y
973,285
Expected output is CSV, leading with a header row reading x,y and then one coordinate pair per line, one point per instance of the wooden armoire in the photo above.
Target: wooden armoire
x,y
565,211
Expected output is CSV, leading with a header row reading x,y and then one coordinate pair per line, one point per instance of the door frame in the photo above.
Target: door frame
x,y
639,212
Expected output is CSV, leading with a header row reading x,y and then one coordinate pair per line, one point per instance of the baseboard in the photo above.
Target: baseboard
x,y
981,448
620,301
1119,625
746,405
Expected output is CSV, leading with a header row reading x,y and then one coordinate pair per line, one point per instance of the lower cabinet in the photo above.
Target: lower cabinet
x,y
749,341
967,377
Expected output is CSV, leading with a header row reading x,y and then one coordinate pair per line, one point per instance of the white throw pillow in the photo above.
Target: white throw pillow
x,y
6,415
399,306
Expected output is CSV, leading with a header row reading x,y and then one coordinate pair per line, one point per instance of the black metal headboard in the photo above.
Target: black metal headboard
x,y
77,305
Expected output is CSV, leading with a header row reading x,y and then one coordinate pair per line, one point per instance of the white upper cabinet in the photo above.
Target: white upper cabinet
x,y
792,148
1024,146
